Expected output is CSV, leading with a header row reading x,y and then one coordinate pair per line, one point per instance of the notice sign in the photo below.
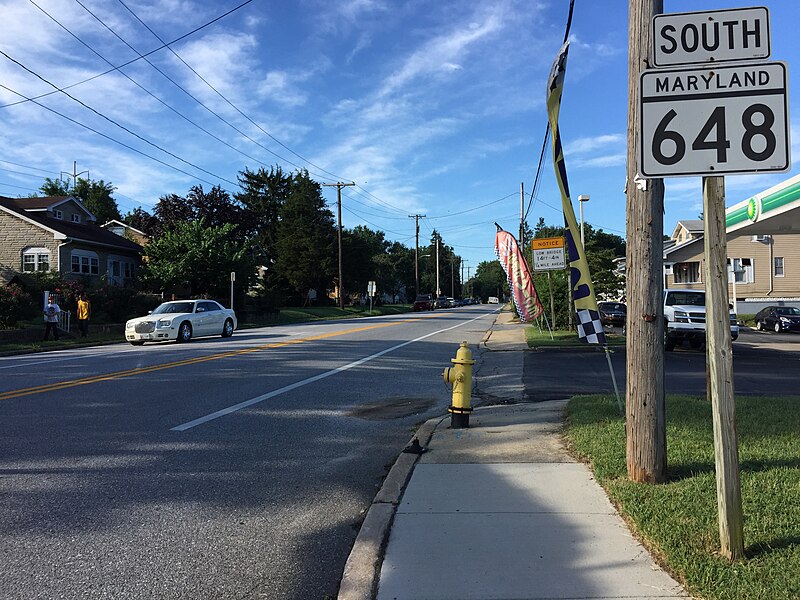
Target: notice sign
x,y
549,254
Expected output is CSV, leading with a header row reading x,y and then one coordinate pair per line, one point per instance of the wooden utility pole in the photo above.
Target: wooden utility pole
x,y
339,186
719,357
645,411
416,251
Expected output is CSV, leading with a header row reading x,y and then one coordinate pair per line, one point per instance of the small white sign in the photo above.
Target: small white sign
x,y
714,120
371,288
711,36
549,259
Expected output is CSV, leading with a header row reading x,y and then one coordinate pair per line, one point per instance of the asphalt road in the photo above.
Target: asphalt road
x,y
235,468
764,364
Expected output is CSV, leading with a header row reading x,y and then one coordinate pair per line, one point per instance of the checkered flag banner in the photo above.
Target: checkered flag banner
x,y
590,328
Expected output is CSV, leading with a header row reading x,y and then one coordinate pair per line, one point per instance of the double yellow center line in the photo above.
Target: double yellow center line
x,y
62,385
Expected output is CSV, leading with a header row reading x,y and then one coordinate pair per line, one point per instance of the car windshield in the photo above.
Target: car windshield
x,y
686,299
615,306
174,307
423,298
788,310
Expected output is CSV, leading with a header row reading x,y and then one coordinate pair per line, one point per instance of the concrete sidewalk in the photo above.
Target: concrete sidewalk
x,y
498,511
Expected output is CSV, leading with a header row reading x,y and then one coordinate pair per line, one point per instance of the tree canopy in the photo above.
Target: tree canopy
x,y
95,196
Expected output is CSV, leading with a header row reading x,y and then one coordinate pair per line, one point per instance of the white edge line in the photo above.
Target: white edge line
x,y
293,386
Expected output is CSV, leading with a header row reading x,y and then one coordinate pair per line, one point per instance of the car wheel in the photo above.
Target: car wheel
x,y
759,326
227,329
137,343
777,327
669,343
185,332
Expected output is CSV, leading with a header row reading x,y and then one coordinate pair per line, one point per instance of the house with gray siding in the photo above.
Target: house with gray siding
x,y
57,233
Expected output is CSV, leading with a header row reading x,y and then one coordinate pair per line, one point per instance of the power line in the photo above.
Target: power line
x,y
231,104
165,45
113,122
123,144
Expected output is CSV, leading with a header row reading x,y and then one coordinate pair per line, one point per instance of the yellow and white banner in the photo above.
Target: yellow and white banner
x,y
590,329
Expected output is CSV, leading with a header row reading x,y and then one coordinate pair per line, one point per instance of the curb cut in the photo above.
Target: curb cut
x,y
362,569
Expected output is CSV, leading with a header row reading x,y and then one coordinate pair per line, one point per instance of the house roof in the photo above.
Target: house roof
x,y
690,225
85,232
114,222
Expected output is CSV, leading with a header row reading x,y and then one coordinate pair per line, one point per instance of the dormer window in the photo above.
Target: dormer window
x,y
57,214
76,218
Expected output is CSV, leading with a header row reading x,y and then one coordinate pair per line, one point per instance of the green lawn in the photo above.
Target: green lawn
x,y
564,338
678,520
286,315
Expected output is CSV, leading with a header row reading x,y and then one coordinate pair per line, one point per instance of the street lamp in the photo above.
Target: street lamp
x,y
581,199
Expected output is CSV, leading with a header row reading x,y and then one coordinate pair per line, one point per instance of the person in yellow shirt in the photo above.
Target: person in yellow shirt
x,y
83,315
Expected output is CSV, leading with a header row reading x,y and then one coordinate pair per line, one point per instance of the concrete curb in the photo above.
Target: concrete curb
x,y
362,569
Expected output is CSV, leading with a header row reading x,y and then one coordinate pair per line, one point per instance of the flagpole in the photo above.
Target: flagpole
x,y
614,381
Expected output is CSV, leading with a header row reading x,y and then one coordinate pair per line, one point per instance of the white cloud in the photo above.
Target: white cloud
x,y
279,86
588,144
434,56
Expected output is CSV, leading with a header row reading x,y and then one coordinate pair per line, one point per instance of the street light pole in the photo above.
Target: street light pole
x,y
438,289
581,199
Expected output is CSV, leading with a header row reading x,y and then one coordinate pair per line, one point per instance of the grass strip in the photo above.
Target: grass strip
x,y
564,338
678,520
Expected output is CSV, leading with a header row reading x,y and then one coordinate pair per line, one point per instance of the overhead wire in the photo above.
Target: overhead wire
x,y
123,144
125,64
227,101
115,123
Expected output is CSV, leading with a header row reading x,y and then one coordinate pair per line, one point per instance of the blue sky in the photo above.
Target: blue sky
x,y
433,107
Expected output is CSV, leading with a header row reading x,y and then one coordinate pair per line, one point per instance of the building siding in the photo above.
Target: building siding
x,y
17,235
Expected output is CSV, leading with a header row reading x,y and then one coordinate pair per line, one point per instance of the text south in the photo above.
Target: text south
x,y
711,81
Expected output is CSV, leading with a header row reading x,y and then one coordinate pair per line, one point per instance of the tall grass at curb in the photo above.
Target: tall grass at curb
x,y
678,520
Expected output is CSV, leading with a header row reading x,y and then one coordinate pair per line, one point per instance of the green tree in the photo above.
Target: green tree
x,y
196,259
489,280
97,198
263,194
142,220
305,239
362,251
55,187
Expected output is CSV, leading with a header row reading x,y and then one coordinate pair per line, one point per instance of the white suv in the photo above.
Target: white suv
x,y
685,318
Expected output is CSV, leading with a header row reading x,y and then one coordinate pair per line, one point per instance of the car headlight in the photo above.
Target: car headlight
x,y
785,320
164,323
681,316
129,325
733,317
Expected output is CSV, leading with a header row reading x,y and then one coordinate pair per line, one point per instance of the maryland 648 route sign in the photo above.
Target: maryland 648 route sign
x,y
714,120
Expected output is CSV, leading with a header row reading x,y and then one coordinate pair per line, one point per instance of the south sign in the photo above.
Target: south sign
x,y
711,36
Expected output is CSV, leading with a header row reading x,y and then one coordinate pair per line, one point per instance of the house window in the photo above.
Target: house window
x,y
743,270
76,218
686,272
35,259
85,262
778,266
128,270
58,214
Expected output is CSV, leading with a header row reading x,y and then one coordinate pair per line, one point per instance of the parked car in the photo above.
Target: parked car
x,y
181,320
778,318
441,302
423,302
613,313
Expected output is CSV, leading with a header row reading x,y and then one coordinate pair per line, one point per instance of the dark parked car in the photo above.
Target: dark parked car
x,y
778,318
423,302
441,302
613,313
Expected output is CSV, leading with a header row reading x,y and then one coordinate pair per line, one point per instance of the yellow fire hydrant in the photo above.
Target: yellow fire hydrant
x,y
461,377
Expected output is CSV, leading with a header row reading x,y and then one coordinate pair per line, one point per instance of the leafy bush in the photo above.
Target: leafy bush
x,y
15,305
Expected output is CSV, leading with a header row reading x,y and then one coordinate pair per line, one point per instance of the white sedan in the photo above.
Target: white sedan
x,y
181,320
